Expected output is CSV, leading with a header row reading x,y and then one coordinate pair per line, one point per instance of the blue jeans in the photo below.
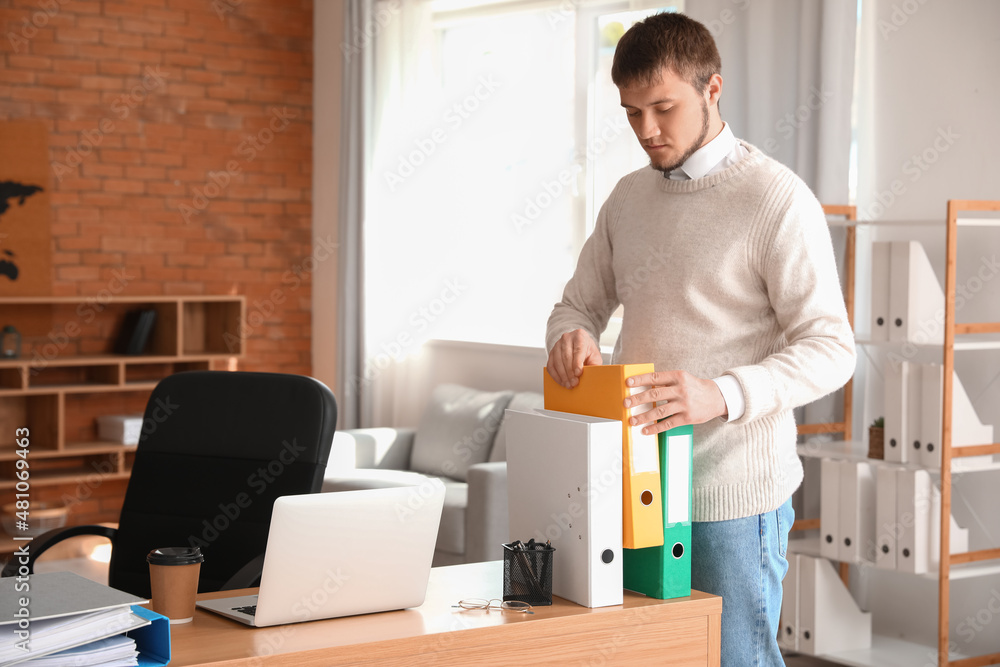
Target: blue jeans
x,y
743,560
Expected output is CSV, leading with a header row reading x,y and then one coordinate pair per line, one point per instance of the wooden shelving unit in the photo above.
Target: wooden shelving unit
x,y
66,366
889,651
951,329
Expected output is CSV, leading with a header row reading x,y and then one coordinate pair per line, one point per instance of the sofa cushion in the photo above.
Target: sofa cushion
x,y
523,401
451,533
457,430
370,478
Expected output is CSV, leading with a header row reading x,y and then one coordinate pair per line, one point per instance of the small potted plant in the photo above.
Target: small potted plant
x,y
876,439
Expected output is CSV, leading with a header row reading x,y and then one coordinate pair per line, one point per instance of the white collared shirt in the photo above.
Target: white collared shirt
x,y
720,153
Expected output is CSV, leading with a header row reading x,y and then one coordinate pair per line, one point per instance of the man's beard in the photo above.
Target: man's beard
x,y
695,145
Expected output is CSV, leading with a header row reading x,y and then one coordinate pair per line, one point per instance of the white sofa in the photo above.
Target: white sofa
x,y
460,440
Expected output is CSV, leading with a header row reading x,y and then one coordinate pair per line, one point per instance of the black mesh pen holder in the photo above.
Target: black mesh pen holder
x,y
527,572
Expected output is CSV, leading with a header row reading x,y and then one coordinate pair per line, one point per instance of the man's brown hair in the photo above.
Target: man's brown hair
x,y
669,40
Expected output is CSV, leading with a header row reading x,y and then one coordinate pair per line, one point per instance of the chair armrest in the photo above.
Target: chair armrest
x,y
486,520
48,539
370,448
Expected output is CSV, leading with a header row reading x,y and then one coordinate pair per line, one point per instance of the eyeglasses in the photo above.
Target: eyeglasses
x,y
502,605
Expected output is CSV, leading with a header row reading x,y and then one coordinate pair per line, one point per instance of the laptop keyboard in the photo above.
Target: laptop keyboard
x,y
250,610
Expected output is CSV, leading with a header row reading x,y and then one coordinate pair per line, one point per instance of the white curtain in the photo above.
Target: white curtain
x,y
788,80
352,400
405,89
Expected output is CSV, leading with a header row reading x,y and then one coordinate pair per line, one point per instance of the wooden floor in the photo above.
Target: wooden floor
x,y
806,661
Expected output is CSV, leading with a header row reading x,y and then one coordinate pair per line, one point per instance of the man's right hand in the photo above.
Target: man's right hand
x,y
573,351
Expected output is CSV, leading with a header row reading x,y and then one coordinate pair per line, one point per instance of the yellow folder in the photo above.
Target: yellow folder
x,y
601,392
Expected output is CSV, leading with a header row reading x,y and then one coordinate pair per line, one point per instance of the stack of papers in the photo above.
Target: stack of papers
x,y
117,651
60,618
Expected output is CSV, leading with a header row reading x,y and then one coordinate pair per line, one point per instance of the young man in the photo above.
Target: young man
x,y
722,259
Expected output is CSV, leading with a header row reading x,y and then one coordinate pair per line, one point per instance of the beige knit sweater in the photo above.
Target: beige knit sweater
x,y
733,273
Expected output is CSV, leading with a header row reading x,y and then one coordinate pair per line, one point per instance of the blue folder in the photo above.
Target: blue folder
x,y
153,640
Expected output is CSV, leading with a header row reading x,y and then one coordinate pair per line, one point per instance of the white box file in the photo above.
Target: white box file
x,y
123,429
880,291
966,429
829,619
913,507
564,478
915,296
857,512
897,377
886,523
918,516
829,508
788,634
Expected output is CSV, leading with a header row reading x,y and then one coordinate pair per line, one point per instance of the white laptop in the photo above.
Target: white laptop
x,y
341,554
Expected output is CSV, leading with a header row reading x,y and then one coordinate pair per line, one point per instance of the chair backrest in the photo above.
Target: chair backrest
x,y
216,449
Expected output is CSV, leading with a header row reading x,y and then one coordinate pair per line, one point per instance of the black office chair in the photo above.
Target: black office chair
x,y
217,449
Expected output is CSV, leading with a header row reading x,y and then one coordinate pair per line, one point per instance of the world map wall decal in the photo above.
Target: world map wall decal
x,y
25,213
11,190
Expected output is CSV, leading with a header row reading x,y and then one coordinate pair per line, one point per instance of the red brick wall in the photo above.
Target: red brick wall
x,y
181,146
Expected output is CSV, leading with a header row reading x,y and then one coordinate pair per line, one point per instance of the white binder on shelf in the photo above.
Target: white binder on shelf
x,y
857,512
896,375
913,505
915,296
914,426
966,429
564,472
829,509
931,414
880,291
788,635
886,524
829,619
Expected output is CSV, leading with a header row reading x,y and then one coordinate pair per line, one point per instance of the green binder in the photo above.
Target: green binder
x,y
665,572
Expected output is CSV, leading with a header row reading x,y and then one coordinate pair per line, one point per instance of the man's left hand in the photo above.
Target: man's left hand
x,y
682,397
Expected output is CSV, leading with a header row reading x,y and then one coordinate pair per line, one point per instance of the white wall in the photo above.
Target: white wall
x,y
930,85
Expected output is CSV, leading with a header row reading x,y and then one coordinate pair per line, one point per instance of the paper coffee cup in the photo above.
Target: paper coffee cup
x,y
173,578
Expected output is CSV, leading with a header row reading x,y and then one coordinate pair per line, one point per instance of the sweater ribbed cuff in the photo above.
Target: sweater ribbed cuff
x,y
758,391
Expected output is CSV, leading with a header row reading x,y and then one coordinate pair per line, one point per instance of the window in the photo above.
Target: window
x,y
499,135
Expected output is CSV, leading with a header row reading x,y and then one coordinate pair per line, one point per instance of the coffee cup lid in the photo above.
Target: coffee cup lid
x,y
175,556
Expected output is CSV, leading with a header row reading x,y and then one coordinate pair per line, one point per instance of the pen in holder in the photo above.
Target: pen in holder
x,y
527,572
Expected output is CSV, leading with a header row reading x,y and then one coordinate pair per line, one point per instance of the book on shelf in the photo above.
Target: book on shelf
x,y
135,332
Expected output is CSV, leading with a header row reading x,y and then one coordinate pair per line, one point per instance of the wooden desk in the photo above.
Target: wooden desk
x,y
682,632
